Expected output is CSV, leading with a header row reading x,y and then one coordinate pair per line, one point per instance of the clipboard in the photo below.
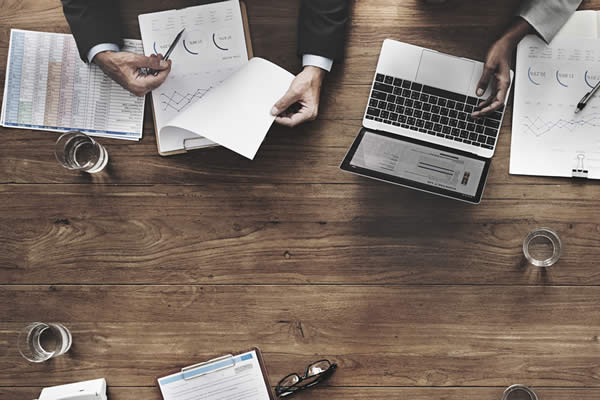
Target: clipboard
x,y
217,364
248,38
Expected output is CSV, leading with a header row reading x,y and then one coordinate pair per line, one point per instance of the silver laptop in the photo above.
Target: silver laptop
x,y
417,127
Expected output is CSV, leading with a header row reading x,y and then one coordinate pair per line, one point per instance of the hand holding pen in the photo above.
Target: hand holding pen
x,y
146,71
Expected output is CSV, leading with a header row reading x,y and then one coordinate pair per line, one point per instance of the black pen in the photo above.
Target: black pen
x,y
171,48
583,102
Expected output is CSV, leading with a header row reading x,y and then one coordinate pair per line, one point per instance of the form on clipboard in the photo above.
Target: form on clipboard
x,y
234,376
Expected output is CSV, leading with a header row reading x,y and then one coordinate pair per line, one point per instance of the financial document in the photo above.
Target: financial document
x,y
240,378
419,163
48,87
548,137
211,49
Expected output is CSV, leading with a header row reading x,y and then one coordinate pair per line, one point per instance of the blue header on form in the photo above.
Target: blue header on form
x,y
203,370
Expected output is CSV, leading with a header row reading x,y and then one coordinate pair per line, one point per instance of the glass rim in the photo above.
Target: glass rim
x,y
26,331
553,237
59,148
519,387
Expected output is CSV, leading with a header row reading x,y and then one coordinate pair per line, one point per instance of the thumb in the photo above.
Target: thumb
x,y
484,81
289,98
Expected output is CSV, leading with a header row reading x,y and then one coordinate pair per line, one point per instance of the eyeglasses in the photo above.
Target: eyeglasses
x,y
315,373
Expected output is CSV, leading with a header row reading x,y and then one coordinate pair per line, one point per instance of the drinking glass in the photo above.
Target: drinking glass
x,y
39,342
79,152
542,247
519,392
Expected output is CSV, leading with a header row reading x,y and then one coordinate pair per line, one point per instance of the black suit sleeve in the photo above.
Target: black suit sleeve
x,y
322,27
93,22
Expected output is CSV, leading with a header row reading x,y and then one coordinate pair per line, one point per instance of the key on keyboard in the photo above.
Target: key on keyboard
x,y
432,111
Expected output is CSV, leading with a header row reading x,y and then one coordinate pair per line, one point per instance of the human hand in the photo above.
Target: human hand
x,y
496,72
301,102
124,68
497,67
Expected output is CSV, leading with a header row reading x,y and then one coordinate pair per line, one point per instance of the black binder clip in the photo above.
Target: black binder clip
x,y
580,172
194,371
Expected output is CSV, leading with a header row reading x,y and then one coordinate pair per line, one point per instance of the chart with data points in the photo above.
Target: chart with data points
x,y
549,138
212,48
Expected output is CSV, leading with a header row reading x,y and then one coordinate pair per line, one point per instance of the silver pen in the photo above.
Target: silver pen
x,y
583,102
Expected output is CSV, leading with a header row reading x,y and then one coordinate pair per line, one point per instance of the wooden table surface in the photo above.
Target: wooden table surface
x,y
163,262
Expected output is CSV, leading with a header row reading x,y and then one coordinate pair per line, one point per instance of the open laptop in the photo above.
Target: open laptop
x,y
417,129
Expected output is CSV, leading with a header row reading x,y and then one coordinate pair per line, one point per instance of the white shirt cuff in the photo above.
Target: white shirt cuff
x,y
317,61
99,48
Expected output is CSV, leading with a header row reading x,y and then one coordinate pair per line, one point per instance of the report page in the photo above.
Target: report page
x,y
419,164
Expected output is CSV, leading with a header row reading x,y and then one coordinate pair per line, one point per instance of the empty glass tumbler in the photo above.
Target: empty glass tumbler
x,y
542,247
39,342
519,392
79,152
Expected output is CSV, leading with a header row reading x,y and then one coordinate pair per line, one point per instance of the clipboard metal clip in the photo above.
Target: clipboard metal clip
x,y
580,171
228,361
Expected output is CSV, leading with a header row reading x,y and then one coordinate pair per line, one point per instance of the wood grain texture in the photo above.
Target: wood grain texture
x,y
286,234
380,336
161,262
326,393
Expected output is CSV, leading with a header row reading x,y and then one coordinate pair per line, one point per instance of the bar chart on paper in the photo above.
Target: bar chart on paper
x,y
48,87
549,138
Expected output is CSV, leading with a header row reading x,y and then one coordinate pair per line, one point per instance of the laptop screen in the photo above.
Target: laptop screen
x,y
410,163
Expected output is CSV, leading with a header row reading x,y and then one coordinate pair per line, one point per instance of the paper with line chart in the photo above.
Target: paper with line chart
x,y
212,48
548,137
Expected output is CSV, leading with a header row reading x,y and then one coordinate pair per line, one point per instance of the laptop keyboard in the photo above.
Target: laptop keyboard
x,y
431,111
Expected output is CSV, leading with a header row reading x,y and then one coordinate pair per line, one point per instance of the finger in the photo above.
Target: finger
x,y
292,121
289,98
147,83
503,84
485,102
495,106
494,103
484,81
154,62
296,119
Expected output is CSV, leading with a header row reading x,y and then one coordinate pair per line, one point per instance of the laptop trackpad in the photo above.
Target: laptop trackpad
x,y
445,72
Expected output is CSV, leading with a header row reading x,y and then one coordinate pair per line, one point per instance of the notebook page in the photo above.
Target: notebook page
x,y
237,114
212,47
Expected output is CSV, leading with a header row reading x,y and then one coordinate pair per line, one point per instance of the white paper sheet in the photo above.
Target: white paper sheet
x,y
212,48
49,88
581,24
548,138
237,113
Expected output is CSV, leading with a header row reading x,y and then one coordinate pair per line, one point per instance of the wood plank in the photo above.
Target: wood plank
x,y
380,336
286,234
325,392
310,154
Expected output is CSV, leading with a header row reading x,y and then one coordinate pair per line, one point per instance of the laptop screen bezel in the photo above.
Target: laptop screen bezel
x,y
346,166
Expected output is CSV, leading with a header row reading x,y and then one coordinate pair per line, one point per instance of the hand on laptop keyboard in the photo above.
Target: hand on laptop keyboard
x,y
497,68
496,73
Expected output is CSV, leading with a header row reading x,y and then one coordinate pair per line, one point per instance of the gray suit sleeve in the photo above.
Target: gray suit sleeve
x,y
548,16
